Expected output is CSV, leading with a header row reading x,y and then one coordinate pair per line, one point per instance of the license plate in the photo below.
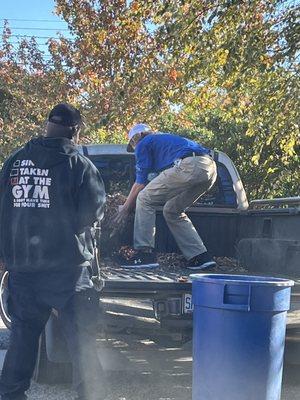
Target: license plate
x,y
188,306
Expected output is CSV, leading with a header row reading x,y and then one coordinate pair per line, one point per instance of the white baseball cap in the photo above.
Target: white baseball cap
x,y
137,128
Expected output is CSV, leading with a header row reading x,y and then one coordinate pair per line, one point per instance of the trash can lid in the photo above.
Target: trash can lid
x,y
242,279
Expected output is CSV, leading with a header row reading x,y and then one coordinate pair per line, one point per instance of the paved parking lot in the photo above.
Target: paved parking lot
x,y
133,387
137,368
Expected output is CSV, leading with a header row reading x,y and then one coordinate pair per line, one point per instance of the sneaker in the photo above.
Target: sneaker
x,y
140,259
202,261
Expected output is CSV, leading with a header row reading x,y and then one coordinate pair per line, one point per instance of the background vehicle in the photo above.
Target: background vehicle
x,y
263,235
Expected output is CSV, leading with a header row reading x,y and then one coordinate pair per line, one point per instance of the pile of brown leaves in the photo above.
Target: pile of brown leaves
x,y
113,236
176,263
126,252
110,233
229,265
111,210
172,262
116,241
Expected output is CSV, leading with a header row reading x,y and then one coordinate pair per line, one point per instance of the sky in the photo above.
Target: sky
x,y
33,18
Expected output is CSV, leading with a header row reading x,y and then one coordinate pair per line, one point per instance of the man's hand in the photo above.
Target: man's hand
x,y
122,216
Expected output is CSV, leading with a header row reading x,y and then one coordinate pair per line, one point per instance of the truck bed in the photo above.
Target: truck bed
x,y
160,285
152,303
119,281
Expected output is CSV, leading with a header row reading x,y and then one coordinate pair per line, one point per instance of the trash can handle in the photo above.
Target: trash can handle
x,y
238,307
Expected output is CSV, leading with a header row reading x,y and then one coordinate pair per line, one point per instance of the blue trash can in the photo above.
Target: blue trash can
x,y
239,335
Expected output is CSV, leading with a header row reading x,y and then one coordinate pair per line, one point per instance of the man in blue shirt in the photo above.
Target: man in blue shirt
x,y
185,172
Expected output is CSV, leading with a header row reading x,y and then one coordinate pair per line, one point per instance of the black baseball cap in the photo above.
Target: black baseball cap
x,y
66,115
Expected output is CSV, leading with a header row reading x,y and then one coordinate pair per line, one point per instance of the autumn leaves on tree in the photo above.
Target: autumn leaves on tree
x,y
224,72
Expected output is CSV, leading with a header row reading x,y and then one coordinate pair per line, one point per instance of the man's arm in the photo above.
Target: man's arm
x,y
4,182
91,198
143,166
4,179
131,199
129,204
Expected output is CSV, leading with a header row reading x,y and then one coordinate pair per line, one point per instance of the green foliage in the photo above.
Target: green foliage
x,y
28,88
239,79
224,72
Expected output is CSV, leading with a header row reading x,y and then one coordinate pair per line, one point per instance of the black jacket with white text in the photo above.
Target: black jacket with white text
x,y
50,196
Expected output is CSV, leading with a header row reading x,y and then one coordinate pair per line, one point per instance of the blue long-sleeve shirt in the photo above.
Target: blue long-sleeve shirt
x,y
158,151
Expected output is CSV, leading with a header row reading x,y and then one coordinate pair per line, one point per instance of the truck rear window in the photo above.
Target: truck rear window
x,y
118,174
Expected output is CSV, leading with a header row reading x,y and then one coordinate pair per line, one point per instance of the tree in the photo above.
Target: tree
x,y
117,63
225,72
239,61
29,87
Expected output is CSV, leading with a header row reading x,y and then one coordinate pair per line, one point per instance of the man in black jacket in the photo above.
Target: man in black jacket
x,y
50,196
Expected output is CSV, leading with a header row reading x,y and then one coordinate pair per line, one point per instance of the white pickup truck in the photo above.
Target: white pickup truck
x,y
263,235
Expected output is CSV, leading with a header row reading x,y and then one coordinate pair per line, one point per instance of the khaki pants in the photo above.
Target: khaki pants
x,y
177,188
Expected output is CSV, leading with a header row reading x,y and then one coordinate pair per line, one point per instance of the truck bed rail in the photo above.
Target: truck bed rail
x,y
285,202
